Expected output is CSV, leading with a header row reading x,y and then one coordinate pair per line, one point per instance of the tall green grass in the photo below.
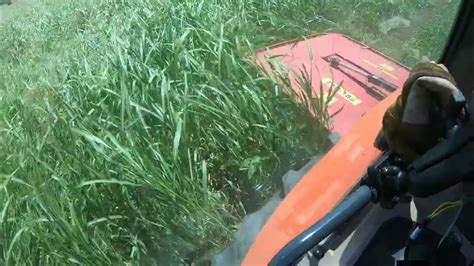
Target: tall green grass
x,y
141,132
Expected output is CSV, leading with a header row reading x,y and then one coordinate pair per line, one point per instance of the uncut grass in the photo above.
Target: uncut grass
x,y
138,132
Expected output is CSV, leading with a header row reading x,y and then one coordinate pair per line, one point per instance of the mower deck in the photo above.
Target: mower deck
x,y
356,95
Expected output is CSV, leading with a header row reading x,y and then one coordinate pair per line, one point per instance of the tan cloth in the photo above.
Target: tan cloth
x,y
412,124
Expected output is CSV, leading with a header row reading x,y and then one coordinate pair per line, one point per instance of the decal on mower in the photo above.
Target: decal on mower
x,y
331,102
341,91
386,69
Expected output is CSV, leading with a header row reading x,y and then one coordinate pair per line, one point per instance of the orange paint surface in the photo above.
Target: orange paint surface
x,y
323,187
328,182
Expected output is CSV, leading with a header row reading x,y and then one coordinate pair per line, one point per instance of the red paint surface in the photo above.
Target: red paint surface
x,y
297,54
328,182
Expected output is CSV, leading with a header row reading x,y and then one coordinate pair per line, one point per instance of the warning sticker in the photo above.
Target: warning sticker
x,y
347,95
385,68
331,102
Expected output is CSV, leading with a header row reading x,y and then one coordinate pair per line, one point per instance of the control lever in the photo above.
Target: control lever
x,y
374,79
386,177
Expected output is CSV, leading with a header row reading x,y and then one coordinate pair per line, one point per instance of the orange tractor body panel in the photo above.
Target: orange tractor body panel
x,y
359,122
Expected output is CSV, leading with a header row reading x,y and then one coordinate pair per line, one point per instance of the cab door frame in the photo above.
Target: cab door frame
x,y
458,54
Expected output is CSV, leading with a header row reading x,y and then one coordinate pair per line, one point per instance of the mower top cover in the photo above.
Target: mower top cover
x,y
359,76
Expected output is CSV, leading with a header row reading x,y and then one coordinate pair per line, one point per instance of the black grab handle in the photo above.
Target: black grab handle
x,y
307,240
